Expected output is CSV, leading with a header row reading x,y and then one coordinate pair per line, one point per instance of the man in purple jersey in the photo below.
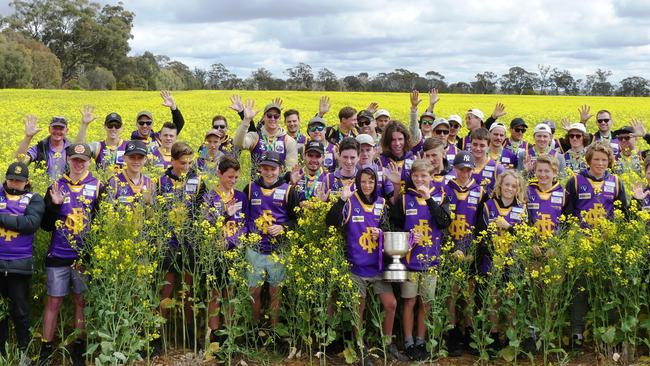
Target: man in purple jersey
x,y
108,153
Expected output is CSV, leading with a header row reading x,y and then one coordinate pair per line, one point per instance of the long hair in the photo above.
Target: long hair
x,y
520,196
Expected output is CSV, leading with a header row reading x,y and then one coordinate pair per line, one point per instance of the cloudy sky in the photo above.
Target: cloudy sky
x,y
457,38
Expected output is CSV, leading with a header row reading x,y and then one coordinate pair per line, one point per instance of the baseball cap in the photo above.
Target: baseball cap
x,y
382,112
316,121
516,122
578,126
440,121
59,121
212,132
271,158
144,114
478,113
623,130
550,124
464,159
272,106
113,117
365,115
542,127
428,114
455,118
135,147
17,171
364,138
315,146
78,150
498,125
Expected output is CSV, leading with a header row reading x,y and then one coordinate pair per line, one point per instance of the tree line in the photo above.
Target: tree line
x,y
78,44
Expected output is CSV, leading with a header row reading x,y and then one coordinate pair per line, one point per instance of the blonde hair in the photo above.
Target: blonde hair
x,y
422,165
520,196
602,147
550,160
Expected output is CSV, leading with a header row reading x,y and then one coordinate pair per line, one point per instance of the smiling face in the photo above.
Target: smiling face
x,y
313,160
272,119
472,121
348,160
382,121
143,125
441,132
317,132
58,133
509,187
497,137
78,166
367,184
168,137
604,120
598,163
517,133
397,144
479,149
421,178
626,142
426,125
366,154
435,156
542,140
350,123
182,165
544,173
293,123
269,173
576,139
16,184
212,143
113,131
220,125
454,127
135,163
463,175
367,126
228,178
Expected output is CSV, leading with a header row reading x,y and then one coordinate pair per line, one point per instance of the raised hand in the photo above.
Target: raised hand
x,y
322,193
87,114
433,98
31,128
415,99
584,113
566,123
236,103
372,107
639,128
394,172
277,101
499,110
638,191
56,194
168,100
323,106
417,237
296,174
346,192
374,233
249,110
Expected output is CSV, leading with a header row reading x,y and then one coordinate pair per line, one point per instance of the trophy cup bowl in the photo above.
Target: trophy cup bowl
x,y
396,244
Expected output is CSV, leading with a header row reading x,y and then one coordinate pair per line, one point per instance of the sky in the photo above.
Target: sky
x,y
458,38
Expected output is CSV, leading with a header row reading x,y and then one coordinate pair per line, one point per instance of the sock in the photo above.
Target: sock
x,y
578,335
408,342
419,341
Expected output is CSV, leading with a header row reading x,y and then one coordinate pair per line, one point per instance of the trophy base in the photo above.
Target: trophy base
x,y
395,275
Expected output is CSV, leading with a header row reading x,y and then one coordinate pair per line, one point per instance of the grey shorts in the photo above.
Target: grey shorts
x,y
61,279
379,286
264,268
421,284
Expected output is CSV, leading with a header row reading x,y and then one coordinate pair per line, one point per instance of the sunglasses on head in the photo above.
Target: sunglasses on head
x,y
454,126
363,122
316,128
441,132
575,136
219,127
142,123
520,130
603,120
272,116
427,122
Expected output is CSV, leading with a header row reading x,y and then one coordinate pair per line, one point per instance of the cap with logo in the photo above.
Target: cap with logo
x,y
272,106
428,114
113,117
271,158
464,159
135,147
623,131
364,138
382,112
17,171
365,115
77,150
542,128
59,121
478,113
315,146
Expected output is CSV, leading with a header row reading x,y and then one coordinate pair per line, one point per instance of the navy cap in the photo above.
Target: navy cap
x,y
271,158
17,171
135,147
464,159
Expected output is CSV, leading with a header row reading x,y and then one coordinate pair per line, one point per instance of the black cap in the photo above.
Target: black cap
x,y
516,122
464,159
113,117
271,158
59,121
315,146
78,150
365,114
316,121
623,130
135,147
17,171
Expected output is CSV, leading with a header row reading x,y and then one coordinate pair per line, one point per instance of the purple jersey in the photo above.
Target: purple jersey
x,y
645,202
329,159
613,142
74,214
308,185
55,161
545,207
418,217
14,245
452,150
595,198
418,147
515,147
160,159
575,160
214,206
486,175
264,144
267,207
362,251
108,156
513,215
124,190
464,206
506,158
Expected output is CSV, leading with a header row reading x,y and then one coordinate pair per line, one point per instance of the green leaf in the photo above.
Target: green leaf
x,y
609,335
509,353
350,355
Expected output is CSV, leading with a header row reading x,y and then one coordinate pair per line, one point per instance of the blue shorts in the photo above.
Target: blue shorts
x,y
264,268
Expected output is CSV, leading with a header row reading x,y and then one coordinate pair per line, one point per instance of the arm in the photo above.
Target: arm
x,y
87,116
177,117
30,221
48,223
335,214
414,127
440,213
243,139
292,152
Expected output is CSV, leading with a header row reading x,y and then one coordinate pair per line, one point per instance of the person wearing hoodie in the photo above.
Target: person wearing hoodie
x,y
269,138
144,123
362,215
271,212
70,204
21,212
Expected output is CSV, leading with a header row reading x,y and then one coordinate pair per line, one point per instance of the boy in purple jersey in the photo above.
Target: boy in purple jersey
x,y
543,137
516,143
547,199
108,153
433,150
487,169
310,180
424,211
71,203
362,215
21,212
367,158
292,122
130,184
224,201
271,211
496,151
161,155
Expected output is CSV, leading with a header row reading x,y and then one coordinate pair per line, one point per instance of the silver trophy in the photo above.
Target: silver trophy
x,y
396,244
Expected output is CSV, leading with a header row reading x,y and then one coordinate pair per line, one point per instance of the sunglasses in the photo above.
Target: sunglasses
x,y
624,138
316,129
272,116
142,123
427,122
363,123
455,126
113,126
575,136
520,130
441,132
219,127
603,120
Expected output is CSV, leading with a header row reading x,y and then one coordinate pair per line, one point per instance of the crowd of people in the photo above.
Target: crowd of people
x,y
380,175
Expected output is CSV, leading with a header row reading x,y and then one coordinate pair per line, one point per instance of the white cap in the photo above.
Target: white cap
x,y
478,113
364,138
382,112
578,126
498,125
440,121
456,118
542,127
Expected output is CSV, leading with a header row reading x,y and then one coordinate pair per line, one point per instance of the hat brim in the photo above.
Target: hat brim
x,y
135,152
58,124
17,177
269,163
117,121
464,165
79,156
